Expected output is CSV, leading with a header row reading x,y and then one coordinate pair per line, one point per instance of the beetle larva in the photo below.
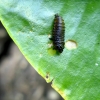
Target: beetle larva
x,y
58,33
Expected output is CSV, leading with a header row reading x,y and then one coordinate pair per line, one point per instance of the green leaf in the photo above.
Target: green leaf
x,y
75,73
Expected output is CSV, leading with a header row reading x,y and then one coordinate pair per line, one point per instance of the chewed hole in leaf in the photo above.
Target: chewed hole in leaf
x,y
71,44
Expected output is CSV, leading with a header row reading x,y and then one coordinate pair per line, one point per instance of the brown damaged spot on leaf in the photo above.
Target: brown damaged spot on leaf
x,y
50,81
47,75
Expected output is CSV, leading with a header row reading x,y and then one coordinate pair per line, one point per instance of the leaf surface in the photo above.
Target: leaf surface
x,y
75,73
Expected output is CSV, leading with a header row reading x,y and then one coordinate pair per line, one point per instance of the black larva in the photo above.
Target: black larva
x,y
58,33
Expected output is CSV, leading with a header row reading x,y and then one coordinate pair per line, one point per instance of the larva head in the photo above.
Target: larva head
x,y
59,49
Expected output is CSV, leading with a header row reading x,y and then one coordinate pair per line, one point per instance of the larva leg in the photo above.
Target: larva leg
x,y
51,38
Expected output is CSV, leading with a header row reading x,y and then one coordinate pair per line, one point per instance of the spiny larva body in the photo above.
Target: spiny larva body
x,y
58,33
